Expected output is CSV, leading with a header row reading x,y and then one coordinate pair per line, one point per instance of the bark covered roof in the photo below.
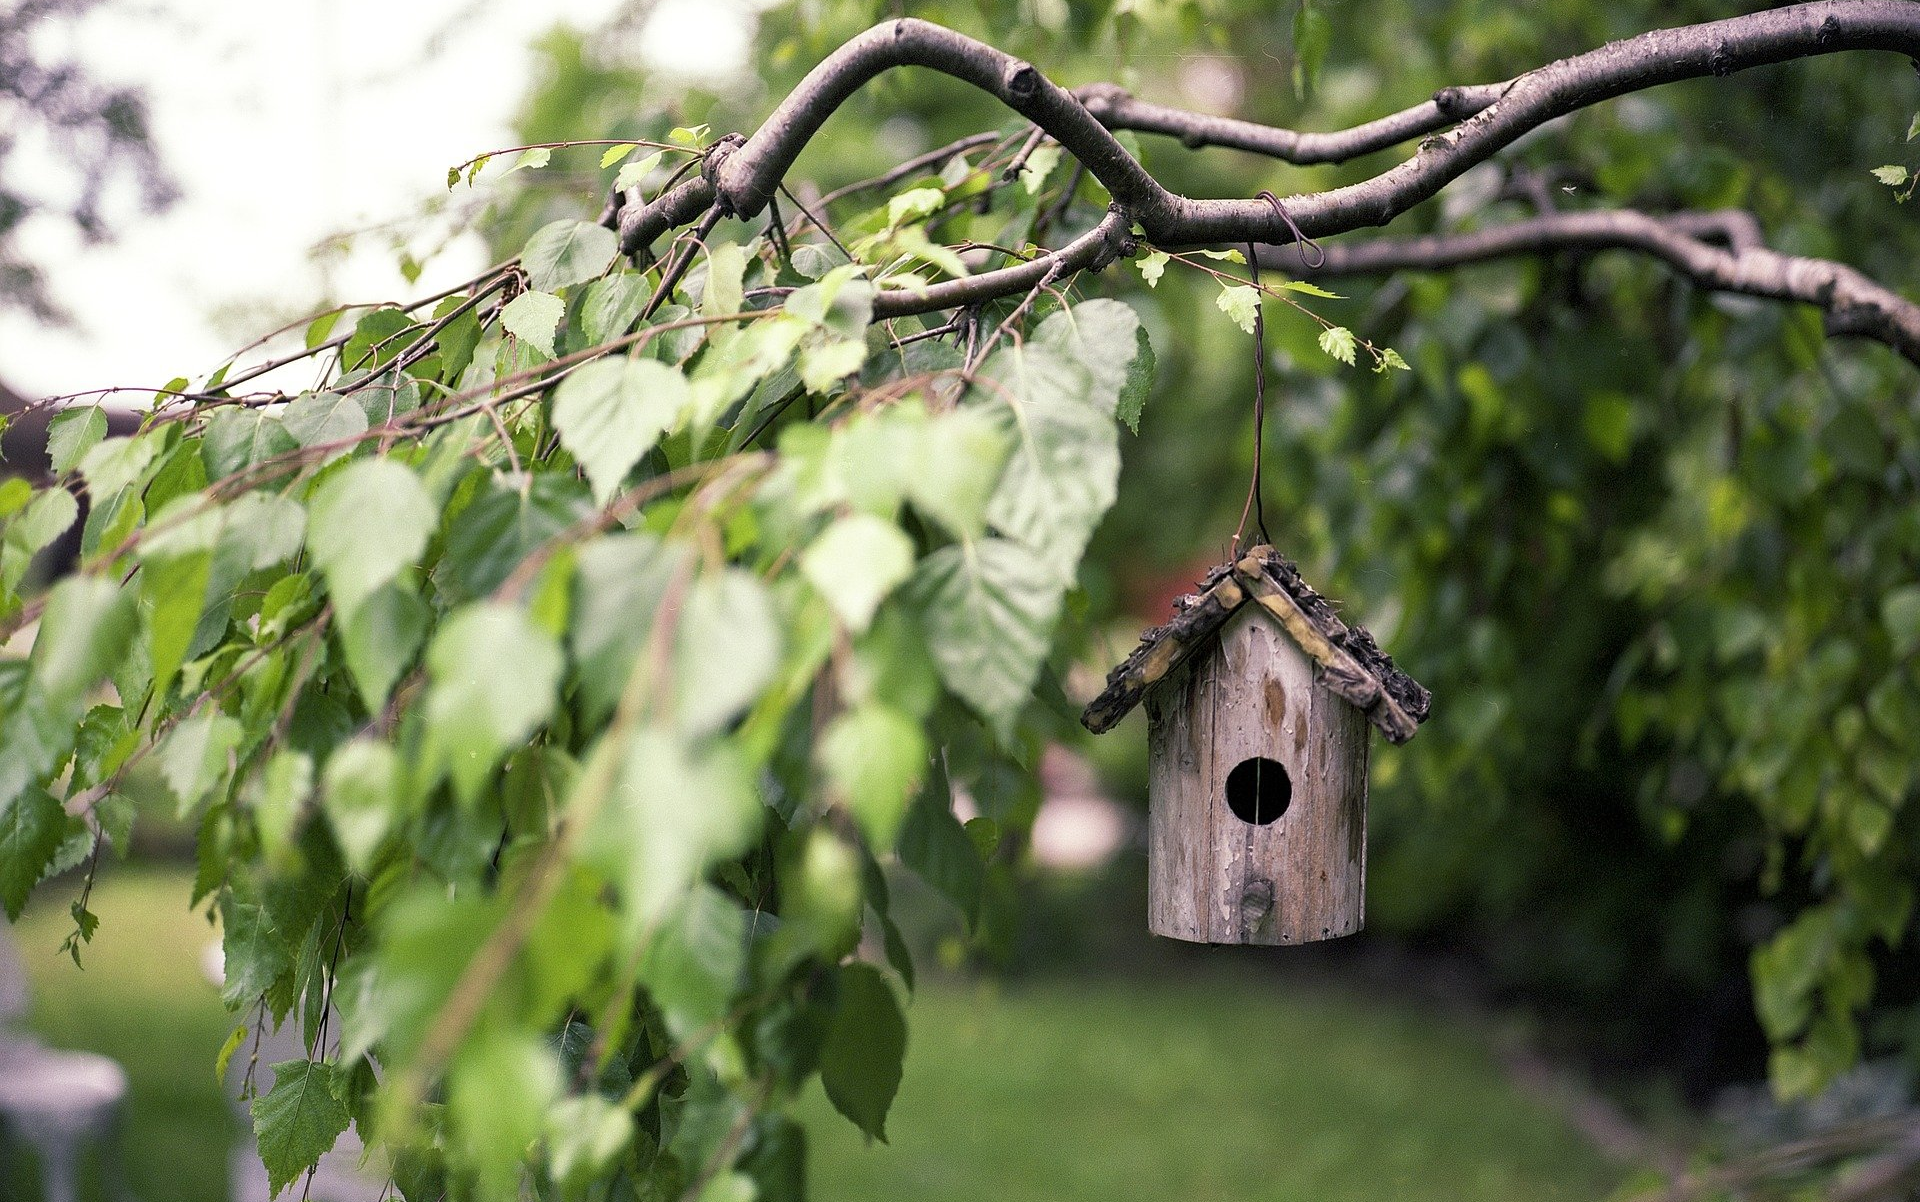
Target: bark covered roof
x,y
1351,664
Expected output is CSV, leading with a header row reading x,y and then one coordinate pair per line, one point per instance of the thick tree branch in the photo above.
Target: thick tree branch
x,y
741,175
1853,304
1116,108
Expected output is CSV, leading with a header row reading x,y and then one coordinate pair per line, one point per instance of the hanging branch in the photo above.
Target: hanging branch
x,y
1852,304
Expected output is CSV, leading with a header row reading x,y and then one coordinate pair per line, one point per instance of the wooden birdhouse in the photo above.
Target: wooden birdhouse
x,y
1258,702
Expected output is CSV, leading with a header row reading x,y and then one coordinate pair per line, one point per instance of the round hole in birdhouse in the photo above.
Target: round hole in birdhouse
x,y
1259,790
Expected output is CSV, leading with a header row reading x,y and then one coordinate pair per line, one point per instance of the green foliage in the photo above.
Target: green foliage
x,y
299,1119
496,706
865,1047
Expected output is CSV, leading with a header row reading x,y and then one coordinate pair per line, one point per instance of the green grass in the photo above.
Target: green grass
x,y
142,1000
1223,1085
1219,1083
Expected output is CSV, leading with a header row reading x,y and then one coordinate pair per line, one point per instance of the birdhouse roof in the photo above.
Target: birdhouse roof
x,y
1351,664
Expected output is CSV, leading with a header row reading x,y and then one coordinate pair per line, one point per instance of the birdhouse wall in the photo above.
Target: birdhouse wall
x,y
1215,877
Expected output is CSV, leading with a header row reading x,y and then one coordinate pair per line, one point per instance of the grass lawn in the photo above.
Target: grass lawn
x,y
1220,1084
1223,1085
142,1000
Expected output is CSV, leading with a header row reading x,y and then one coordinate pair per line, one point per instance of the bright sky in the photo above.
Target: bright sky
x,y
258,108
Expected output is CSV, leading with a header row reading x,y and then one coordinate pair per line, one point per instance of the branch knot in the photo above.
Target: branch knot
x,y
710,163
1022,80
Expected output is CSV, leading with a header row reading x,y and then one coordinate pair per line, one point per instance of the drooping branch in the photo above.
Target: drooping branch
x,y
1720,251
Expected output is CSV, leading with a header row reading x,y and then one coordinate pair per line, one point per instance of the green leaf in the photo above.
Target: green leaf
x,y
1039,166
315,418
613,411
1892,175
34,737
46,517
239,438
696,960
726,648
71,434
1787,969
84,631
503,526
621,583
494,675
235,1038
586,1135
1312,35
963,453
1339,343
855,563
112,465
865,1049
1240,302
32,826
298,1120
378,336
277,794
364,525
380,636
362,798
498,1092
612,304
320,327
532,159
725,290
1152,266
1608,420
989,610
914,204
194,756
563,253
825,364
633,174
874,757
1138,385
534,318
614,154
1064,473
934,844
1104,337
1900,611
673,810
821,896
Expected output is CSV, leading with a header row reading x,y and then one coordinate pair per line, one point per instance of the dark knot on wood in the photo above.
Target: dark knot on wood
x,y
710,164
1022,80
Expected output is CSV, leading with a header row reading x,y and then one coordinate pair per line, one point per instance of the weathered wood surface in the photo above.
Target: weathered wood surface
x,y
1352,663
1339,669
1162,650
1213,878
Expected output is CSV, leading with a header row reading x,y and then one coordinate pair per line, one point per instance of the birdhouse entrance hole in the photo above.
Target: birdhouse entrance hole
x,y
1259,790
